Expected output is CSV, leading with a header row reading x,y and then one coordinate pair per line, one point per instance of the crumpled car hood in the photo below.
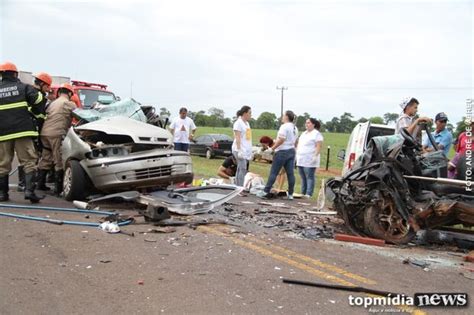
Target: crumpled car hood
x,y
140,132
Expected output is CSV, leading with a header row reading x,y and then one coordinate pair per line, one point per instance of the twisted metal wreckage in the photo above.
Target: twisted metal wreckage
x,y
394,191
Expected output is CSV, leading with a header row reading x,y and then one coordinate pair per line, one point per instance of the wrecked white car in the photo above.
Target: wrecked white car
x,y
112,149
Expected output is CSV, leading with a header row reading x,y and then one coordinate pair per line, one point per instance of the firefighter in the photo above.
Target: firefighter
x,y
17,130
42,82
54,130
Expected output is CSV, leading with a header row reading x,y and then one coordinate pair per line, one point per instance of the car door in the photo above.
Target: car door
x,y
356,145
194,146
205,144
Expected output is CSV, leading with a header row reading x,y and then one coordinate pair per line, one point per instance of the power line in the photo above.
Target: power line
x,y
380,87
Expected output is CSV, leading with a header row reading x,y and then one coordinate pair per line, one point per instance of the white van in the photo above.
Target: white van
x,y
360,136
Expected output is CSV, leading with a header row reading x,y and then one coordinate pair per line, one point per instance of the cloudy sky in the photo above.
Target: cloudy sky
x,y
362,57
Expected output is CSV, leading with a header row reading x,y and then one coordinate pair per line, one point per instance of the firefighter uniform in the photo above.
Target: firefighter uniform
x,y
54,130
38,114
17,131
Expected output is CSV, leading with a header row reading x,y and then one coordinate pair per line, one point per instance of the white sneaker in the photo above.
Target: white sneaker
x,y
290,197
307,197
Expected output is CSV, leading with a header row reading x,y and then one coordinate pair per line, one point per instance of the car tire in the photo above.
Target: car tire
x,y
377,229
75,181
209,154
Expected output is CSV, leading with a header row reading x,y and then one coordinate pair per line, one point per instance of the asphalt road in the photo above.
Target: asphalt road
x,y
215,269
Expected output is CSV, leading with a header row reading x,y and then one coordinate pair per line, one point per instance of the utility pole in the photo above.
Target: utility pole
x,y
282,89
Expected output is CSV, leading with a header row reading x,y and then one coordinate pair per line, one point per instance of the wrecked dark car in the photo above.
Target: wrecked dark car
x,y
394,190
113,148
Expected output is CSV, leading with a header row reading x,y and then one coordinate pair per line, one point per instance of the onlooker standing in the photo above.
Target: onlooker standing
x,y
308,157
442,136
242,145
183,129
407,120
285,152
53,132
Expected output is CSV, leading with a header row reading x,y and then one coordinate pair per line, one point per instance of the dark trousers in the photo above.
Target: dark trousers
x,y
286,159
181,146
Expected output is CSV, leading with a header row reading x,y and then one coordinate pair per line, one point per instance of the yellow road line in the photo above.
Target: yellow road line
x,y
299,265
271,254
314,261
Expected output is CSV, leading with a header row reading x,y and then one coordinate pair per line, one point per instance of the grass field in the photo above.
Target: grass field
x,y
204,168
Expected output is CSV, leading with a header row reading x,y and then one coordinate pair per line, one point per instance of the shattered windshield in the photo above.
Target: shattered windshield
x,y
125,108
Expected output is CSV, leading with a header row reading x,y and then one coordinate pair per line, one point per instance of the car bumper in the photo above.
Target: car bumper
x,y
155,168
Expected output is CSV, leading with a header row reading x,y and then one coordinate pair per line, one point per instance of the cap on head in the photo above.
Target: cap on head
x,y
8,66
407,101
44,77
441,117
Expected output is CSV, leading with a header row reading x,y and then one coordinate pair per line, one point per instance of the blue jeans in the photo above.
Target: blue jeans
x,y
181,146
286,159
242,169
307,179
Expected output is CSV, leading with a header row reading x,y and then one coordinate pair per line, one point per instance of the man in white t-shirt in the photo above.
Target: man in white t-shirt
x,y
308,156
284,148
183,129
242,145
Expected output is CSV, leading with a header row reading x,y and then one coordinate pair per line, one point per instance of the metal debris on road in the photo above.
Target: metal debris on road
x,y
340,287
416,262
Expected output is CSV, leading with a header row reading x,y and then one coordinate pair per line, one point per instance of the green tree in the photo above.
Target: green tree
x,y
346,124
200,119
460,127
165,112
333,124
219,113
252,123
389,117
363,120
376,120
301,120
266,120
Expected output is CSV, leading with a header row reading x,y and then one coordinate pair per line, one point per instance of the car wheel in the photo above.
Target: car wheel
x,y
384,222
75,181
209,154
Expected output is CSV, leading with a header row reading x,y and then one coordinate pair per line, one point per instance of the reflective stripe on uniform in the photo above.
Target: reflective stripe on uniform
x,y
14,105
19,135
39,98
37,116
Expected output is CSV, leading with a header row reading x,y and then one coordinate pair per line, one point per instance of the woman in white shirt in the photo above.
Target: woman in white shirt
x,y
242,146
284,148
308,157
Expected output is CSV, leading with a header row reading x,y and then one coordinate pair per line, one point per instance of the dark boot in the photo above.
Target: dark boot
x,y
41,180
30,189
21,178
50,178
58,182
4,188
